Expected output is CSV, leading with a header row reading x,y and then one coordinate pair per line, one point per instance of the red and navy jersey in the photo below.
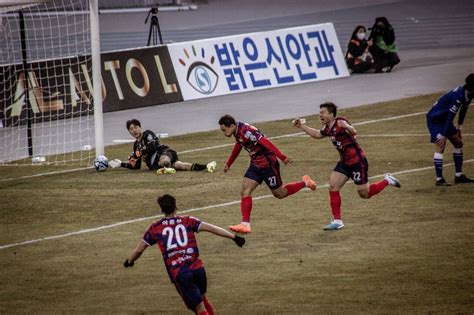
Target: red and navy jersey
x,y
349,150
177,242
248,137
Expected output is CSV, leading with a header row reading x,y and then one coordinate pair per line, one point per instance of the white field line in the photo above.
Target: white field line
x,y
396,135
230,203
222,145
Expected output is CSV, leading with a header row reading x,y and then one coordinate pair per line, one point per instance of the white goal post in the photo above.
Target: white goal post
x,y
50,84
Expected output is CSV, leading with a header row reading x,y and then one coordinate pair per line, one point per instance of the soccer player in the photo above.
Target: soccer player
x,y
264,166
353,163
175,237
157,156
440,124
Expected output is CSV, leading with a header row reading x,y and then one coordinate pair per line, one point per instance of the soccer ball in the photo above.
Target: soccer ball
x,y
101,163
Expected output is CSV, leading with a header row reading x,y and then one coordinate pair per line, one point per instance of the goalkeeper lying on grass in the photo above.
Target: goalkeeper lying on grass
x,y
157,156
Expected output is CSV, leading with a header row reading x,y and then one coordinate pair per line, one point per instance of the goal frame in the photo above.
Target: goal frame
x,y
18,5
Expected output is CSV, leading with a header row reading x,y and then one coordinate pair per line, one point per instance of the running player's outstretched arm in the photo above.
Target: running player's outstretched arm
x,y
207,227
349,128
313,133
233,156
137,252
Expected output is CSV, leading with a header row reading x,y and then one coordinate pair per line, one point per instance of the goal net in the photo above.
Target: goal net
x,y
46,83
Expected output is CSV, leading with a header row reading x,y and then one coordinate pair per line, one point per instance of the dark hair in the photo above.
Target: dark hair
x,y
384,21
227,120
331,107
469,82
167,204
354,33
134,121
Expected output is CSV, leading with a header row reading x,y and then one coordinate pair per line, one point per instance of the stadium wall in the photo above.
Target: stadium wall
x,y
130,79
182,71
249,62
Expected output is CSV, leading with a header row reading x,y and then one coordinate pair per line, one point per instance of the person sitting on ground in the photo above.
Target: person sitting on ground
x,y
384,50
157,156
358,57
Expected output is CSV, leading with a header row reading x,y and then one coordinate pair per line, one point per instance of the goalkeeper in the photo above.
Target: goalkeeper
x,y
157,156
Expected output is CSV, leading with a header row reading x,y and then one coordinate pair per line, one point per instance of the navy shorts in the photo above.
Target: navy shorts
x,y
437,128
270,175
358,172
191,284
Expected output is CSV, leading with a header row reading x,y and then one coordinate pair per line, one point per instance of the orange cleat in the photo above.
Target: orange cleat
x,y
311,184
240,228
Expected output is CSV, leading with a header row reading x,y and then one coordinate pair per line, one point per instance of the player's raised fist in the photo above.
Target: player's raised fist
x,y
298,122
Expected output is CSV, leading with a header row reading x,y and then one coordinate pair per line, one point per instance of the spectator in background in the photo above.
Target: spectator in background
x,y
358,57
384,49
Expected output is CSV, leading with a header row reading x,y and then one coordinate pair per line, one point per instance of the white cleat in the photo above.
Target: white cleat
x,y
334,225
392,180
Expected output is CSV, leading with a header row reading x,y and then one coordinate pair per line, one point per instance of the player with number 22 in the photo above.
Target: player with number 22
x,y
353,163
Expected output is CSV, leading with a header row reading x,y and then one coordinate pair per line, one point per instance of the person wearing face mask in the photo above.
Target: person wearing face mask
x,y
358,57
384,50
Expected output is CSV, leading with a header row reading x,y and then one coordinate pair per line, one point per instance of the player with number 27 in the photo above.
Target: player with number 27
x,y
264,167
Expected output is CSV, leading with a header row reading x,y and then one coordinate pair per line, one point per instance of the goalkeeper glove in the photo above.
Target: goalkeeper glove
x,y
240,241
115,163
127,264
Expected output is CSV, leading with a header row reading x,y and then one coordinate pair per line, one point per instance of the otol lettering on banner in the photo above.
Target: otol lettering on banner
x,y
62,88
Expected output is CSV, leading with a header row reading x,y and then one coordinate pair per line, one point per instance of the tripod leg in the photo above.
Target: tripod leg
x,y
149,34
159,31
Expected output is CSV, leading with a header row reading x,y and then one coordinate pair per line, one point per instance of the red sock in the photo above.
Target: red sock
x,y
209,306
335,201
292,188
377,187
204,313
246,208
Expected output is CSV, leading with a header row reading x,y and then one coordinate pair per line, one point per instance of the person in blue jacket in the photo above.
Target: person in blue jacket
x,y
440,124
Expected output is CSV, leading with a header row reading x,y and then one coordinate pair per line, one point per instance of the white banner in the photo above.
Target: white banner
x,y
255,61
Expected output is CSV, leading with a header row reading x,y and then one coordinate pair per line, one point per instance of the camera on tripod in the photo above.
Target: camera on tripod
x,y
377,29
155,31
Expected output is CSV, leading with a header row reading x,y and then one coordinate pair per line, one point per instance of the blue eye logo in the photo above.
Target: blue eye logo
x,y
202,78
200,75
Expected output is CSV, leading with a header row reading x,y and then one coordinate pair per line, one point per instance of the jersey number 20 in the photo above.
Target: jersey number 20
x,y
176,236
